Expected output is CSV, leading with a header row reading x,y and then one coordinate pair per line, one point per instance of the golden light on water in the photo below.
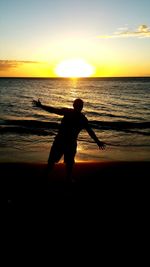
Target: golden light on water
x,y
74,68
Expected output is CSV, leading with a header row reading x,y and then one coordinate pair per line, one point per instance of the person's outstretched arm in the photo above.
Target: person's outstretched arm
x,y
59,111
94,137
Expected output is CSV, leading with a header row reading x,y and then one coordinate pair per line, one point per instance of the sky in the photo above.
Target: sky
x,y
111,36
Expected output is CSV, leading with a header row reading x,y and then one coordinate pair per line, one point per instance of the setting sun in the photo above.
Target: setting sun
x,y
74,68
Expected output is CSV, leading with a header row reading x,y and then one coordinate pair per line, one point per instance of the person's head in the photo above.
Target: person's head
x,y
78,104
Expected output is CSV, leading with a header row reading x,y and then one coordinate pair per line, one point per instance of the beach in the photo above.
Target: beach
x,y
108,182
117,111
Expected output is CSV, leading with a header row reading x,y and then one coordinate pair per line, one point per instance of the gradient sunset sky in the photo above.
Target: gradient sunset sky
x,y
111,36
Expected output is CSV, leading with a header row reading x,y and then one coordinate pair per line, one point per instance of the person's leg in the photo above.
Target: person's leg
x,y
51,162
69,156
55,154
69,168
50,166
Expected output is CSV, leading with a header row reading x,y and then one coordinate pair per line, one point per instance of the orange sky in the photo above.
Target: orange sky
x,y
113,37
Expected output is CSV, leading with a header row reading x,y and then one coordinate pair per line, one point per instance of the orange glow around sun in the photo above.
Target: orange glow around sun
x,y
74,68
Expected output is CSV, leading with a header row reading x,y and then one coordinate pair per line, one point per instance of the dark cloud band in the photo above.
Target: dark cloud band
x,y
10,64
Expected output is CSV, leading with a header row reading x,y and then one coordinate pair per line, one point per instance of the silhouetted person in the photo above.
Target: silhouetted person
x,y
65,142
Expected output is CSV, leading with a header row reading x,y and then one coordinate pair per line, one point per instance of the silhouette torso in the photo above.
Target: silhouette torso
x,y
71,125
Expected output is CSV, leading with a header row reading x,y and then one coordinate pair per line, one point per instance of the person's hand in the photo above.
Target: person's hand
x,y
36,103
101,145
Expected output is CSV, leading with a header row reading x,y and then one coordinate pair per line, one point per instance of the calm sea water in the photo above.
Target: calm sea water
x,y
118,110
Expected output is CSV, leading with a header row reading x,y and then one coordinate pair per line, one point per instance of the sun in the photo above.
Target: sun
x,y
74,68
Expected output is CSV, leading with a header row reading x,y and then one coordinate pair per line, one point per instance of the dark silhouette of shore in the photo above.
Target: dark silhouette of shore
x,y
108,182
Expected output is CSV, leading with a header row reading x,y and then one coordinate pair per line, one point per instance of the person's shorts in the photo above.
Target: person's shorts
x,y
60,149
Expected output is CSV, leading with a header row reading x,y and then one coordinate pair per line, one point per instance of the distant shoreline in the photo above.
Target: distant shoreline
x,y
83,78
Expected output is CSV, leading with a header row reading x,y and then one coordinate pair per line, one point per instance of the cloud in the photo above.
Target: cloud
x,y
11,64
143,31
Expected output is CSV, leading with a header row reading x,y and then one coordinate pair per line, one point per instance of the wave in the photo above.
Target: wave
x,y
121,124
110,115
45,128
30,123
34,127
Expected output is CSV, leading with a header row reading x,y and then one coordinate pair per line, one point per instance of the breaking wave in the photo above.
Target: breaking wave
x,y
44,128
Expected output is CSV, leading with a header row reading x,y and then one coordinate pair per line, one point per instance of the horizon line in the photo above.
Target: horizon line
x,y
73,78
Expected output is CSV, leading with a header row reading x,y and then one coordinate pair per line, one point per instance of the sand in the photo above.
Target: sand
x,y
97,179
110,198
109,201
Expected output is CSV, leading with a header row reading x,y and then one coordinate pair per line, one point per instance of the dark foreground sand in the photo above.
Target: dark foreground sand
x,y
107,205
105,180
110,199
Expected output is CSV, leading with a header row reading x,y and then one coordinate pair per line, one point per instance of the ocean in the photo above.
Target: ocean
x,y
118,110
